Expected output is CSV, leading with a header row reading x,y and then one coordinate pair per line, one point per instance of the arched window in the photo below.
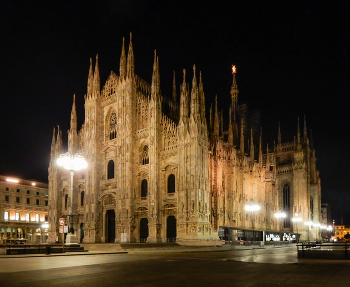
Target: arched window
x,y
66,201
82,197
144,188
286,204
113,126
312,208
171,183
110,169
144,155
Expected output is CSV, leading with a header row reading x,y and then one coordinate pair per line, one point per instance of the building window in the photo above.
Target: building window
x,y
6,215
113,126
65,201
18,200
17,189
28,191
37,202
46,218
37,217
37,193
286,204
82,194
144,155
17,216
144,188
28,200
171,183
46,202
7,189
27,217
312,208
110,169
7,198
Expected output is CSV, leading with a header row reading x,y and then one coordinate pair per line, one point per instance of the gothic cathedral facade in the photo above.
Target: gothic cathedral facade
x,y
158,172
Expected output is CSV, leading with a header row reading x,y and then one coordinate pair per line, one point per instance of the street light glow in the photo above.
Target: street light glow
x,y
252,207
280,214
72,163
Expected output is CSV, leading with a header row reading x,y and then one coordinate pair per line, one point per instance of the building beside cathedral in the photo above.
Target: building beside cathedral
x,y
23,210
158,171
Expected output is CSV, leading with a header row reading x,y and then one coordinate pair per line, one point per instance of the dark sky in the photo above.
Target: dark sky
x,y
292,61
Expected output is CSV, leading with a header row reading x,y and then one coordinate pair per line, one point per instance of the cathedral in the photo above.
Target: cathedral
x,y
160,171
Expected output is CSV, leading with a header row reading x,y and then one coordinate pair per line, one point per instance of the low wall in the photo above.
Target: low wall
x,y
324,251
17,251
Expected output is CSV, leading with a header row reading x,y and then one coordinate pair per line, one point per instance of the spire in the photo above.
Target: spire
x,y
279,134
130,63
216,118
73,117
230,131
251,145
194,96
222,123
298,132
96,79
155,89
53,142
202,99
90,79
241,144
260,147
122,65
184,99
174,88
305,130
234,93
267,155
211,117
59,142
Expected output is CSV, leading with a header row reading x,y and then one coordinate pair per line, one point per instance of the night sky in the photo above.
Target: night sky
x,y
292,61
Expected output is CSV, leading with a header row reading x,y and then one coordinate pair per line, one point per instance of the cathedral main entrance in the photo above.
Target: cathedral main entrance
x,y
110,222
143,229
171,229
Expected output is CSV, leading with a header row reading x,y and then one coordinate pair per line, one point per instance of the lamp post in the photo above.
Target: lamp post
x,y
71,163
252,207
297,219
280,214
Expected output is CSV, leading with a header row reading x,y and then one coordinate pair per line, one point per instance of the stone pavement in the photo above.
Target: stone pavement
x,y
275,254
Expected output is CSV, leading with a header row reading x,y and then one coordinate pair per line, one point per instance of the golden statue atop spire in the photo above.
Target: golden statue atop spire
x,y
234,69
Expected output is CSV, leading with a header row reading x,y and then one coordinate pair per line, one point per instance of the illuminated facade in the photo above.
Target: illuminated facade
x,y
340,231
23,210
158,171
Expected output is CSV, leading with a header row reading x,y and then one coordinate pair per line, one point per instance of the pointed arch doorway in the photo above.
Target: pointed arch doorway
x,y
171,229
143,229
110,226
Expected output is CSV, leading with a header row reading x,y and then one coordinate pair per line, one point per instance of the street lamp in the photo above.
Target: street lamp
x,y
252,207
297,219
71,163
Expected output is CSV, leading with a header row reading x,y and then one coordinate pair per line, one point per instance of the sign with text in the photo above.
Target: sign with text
x,y
61,229
61,221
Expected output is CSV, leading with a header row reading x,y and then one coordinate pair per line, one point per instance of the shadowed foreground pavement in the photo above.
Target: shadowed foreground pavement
x,y
155,267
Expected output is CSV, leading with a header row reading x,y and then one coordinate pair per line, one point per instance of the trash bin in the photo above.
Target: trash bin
x,y
48,250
